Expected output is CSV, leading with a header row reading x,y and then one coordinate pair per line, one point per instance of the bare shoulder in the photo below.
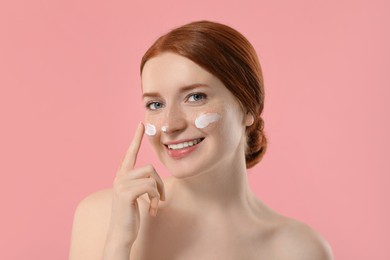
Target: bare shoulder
x,y
96,199
94,207
296,240
90,225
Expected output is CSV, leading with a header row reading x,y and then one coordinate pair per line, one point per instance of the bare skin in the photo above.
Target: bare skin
x,y
177,233
206,209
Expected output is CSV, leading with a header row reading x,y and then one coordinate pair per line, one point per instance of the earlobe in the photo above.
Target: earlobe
x,y
249,119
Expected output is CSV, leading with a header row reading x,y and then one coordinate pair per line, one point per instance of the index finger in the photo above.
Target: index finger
x,y
130,158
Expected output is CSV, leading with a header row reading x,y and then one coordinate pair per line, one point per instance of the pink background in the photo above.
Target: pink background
x,y
70,100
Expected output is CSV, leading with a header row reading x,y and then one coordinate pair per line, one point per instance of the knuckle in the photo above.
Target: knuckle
x,y
150,168
130,195
150,183
157,198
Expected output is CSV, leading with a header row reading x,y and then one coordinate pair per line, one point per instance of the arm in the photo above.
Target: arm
x,y
90,226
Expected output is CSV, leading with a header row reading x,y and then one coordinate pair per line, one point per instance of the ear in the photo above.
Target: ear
x,y
249,119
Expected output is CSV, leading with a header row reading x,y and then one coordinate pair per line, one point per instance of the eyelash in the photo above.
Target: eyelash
x,y
152,103
204,96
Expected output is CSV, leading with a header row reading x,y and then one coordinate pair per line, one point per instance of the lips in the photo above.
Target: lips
x,y
180,149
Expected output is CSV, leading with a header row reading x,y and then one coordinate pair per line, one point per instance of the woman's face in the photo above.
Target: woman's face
x,y
194,123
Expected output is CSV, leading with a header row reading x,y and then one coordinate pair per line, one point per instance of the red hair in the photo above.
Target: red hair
x,y
228,55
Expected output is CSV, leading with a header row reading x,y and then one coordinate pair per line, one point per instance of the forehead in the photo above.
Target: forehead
x,y
169,70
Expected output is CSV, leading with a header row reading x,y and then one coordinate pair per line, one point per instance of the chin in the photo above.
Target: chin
x,y
184,168
182,171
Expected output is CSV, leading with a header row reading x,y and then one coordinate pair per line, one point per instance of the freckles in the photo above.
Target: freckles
x,y
205,120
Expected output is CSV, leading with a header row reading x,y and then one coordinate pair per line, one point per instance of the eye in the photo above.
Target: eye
x,y
154,105
196,97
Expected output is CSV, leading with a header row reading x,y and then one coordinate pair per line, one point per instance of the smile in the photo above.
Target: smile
x,y
184,144
183,148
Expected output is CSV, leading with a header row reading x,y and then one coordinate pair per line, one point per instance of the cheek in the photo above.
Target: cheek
x,y
208,122
152,129
224,124
206,119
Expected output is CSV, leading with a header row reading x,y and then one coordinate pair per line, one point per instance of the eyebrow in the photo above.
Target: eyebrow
x,y
182,89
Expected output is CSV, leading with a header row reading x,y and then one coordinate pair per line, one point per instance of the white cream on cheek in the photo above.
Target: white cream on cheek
x,y
204,120
201,121
150,129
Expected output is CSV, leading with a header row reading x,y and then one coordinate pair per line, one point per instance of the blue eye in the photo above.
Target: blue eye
x,y
196,97
154,105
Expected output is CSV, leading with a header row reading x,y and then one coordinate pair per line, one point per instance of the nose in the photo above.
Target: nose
x,y
174,120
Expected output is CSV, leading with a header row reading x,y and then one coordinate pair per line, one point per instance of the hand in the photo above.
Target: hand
x,y
129,184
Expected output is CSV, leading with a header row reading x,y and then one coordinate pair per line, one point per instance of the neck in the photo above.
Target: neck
x,y
218,191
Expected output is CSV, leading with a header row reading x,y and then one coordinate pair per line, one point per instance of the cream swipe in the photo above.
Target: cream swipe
x,y
204,120
150,129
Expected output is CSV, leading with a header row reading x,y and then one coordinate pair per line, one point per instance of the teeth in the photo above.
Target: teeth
x,y
183,145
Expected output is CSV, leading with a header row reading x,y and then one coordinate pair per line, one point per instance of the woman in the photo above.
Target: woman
x,y
203,93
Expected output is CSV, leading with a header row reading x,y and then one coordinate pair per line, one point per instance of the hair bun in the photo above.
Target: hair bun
x,y
256,143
